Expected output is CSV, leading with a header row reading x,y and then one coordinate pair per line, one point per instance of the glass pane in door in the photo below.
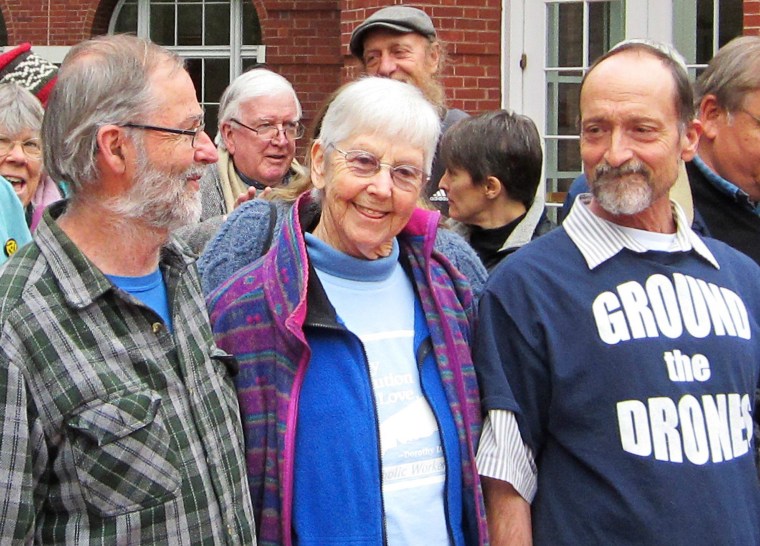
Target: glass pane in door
x,y
578,33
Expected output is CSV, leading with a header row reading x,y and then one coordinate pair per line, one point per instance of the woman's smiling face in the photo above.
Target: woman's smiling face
x,y
361,215
22,165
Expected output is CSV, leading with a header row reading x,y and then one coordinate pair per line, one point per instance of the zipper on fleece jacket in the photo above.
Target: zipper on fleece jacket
x,y
290,441
295,395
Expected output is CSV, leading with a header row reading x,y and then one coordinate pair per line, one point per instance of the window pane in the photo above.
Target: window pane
x,y
217,75
731,20
598,30
195,69
568,156
562,102
565,42
251,26
218,23
704,31
694,28
251,62
162,24
564,156
563,184
127,18
189,24
211,118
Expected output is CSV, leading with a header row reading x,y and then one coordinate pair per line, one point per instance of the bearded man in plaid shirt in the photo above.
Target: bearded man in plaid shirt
x,y
119,422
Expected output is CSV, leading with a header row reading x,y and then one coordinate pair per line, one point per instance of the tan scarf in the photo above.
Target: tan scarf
x,y
229,181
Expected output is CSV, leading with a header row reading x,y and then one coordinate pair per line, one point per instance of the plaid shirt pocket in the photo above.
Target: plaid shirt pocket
x,y
123,459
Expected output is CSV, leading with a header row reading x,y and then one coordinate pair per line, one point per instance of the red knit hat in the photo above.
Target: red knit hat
x,y
23,67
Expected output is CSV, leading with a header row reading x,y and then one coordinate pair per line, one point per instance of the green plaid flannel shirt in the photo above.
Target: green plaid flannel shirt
x,y
112,429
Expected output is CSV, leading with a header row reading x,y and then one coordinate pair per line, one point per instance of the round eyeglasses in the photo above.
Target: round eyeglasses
x,y
293,130
32,147
365,164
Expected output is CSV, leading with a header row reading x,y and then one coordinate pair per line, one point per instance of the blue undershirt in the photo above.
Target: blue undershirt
x,y
149,289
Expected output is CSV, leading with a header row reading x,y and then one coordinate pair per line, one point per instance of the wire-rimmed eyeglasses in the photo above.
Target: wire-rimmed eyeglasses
x,y
366,164
32,147
293,130
189,132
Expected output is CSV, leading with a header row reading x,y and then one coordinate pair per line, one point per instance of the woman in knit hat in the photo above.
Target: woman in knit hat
x,y
20,65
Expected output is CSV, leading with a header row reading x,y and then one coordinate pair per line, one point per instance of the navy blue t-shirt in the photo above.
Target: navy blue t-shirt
x,y
633,385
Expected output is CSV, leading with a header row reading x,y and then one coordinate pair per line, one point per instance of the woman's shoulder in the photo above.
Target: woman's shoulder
x,y
245,236
463,257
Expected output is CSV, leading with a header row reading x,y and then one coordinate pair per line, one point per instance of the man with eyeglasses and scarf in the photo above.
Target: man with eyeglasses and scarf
x,y
259,123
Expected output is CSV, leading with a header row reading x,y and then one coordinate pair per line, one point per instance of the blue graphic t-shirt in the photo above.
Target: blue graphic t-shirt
x,y
634,381
375,300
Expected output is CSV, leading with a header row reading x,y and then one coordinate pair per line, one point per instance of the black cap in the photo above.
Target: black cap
x,y
403,19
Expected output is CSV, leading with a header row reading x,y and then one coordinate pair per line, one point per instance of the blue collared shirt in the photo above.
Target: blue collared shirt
x,y
732,190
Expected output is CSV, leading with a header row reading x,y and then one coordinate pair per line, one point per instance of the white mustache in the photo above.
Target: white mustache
x,y
606,171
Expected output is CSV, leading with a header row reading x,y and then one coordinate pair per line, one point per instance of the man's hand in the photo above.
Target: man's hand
x,y
251,194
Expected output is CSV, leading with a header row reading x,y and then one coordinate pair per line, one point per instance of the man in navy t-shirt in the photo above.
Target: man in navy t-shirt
x,y
623,345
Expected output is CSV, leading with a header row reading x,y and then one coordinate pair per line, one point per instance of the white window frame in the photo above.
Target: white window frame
x,y
235,52
524,47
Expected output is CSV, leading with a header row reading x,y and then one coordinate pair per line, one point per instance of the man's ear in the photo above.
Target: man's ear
x,y
434,57
493,187
317,164
112,150
226,132
711,114
690,140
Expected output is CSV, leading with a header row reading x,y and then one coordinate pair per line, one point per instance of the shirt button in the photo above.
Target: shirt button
x,y
157,327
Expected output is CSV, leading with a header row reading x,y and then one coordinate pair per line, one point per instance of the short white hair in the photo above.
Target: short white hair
x,y
257,82
388,108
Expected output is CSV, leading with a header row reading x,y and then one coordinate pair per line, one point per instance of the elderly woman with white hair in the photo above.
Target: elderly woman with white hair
x,y
358,396
21,116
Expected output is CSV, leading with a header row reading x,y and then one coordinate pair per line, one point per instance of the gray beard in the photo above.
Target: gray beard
x,y
159,199
625,190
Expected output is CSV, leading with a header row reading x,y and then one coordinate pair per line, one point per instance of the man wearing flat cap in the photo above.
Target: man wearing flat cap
x,y
400,42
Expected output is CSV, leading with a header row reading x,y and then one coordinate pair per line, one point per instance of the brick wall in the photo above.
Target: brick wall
x,y
752,17
49,22
303,44
471,30
307,40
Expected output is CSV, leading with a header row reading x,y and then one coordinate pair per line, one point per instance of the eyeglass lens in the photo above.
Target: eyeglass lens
x,y
32,148
365,164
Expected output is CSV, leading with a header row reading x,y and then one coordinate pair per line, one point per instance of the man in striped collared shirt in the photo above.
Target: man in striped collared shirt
x,y
619,355
119,420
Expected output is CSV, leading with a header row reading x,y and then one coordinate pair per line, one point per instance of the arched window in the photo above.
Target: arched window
x,y
219,39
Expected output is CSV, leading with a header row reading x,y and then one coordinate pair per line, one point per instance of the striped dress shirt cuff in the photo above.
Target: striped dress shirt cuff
x,y
503,455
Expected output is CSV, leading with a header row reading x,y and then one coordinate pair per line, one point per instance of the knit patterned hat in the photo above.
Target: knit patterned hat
x,y
23,67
